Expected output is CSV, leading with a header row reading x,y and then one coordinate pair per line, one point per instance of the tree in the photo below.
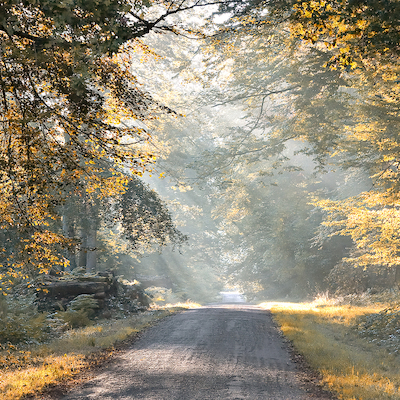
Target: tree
x,y
340,99
145,218
356,31
73,114
285,88
364,29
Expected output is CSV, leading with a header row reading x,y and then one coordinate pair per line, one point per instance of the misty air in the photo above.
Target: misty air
x,y
200,200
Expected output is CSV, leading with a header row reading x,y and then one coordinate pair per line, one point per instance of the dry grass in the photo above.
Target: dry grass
x,y
28,371
325,334
186,305
28,380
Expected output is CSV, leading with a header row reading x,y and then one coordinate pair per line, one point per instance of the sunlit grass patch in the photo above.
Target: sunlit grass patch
x,y
27,371
180,305
21,382
326,335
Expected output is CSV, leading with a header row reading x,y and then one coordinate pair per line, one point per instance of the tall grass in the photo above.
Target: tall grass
x,y
28,371
326,335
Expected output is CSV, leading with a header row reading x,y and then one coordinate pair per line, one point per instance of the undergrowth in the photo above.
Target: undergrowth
x,y
353,342
382,328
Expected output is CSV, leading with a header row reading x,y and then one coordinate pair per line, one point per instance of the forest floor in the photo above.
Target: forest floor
x,y
353,342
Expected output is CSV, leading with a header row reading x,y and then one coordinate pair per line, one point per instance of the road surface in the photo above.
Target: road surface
x,y
216,352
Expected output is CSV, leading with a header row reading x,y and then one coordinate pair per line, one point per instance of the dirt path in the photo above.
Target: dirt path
x,y
220,352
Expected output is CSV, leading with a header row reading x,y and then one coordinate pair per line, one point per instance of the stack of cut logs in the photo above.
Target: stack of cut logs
x,y
56,292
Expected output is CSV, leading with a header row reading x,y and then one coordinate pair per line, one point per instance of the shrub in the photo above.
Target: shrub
x,y
84,303
16,329
74,319
12,330
79,311
382,328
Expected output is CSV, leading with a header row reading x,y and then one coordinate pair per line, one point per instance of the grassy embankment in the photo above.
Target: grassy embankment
x,y
25,371
354,343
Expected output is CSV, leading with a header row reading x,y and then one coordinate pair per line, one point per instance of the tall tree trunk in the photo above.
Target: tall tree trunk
x,y
68,223
69,232
3,306
89,225
91,249
397,276
72,252
83,249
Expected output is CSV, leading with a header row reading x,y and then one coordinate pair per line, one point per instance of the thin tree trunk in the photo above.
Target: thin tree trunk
x,y
69,232
68,223
83,249
71,251
91,250
397,276
3,306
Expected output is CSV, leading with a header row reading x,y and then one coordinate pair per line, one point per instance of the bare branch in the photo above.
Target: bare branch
x,y
264,95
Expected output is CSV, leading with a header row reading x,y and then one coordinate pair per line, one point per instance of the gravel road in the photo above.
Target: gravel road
x,y
218,352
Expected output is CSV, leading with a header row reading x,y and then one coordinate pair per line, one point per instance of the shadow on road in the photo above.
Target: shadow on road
x,y
224,351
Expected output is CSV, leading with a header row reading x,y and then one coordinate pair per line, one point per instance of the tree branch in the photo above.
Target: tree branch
x,y
264,95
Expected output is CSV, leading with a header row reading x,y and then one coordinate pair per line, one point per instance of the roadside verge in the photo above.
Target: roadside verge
x,y
27,372
338,341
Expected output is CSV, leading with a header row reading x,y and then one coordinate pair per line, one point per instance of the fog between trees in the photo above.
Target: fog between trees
x,y
276,135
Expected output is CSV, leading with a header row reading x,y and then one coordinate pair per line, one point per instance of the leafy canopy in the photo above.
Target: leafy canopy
x,y
73,114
